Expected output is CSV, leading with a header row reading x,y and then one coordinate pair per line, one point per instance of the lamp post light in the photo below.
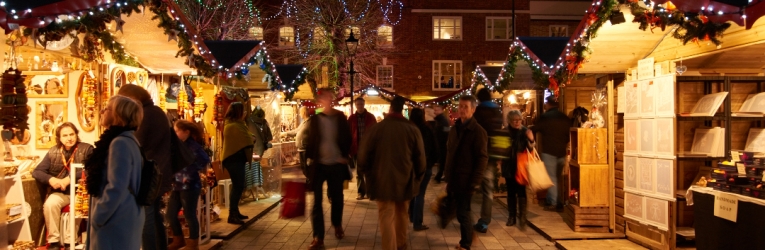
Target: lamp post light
x,y
351,44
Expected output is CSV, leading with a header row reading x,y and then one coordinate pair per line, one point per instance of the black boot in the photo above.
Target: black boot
x,y
512,210
510,221
522,213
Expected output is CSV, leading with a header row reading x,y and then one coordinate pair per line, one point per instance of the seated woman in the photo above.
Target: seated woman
x,y
53,171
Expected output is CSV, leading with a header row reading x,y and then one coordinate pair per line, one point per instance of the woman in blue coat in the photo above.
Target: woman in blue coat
x,y
114,168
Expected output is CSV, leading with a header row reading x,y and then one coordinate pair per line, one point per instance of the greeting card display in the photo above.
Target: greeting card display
x,y
633,206
708,105
664,89
708,142
647,96
656,212
646,168
631,138
755,142
754,106
665,136
631,172
633,99
665,177
647,136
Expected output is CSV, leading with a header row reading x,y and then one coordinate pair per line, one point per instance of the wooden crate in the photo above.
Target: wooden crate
x,y
593,219
591,146
592,182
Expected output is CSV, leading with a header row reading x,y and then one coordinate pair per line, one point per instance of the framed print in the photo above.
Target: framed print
x,y
49,115
46,84
631,138
633,206
709,104
755,141
665,177
656,212
664,89
647,136
647,97
630,172
632,100
705,141
665,136
646,168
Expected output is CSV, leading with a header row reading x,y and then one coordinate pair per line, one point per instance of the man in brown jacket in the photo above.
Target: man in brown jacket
x,y
392,157
465,165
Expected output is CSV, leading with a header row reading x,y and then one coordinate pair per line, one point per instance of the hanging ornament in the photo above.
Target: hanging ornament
x,y
704,19
173,35
262,66
120,24
245,71
670,6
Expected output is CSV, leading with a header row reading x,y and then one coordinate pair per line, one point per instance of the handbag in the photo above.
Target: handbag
x,y
538,177
444,207
293,204
522,173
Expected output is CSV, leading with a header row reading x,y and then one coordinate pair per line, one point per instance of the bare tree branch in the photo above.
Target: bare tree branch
x,y
220,19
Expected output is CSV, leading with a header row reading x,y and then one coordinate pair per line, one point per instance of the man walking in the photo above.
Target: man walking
x,y
442,134
554,127
359,122
489,116
328,145
465,165
392,157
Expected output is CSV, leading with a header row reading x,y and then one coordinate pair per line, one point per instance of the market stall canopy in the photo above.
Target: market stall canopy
x,y
143,39
232,54
289,72
547,49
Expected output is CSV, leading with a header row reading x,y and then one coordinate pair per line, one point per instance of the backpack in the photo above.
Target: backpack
x,y
151,180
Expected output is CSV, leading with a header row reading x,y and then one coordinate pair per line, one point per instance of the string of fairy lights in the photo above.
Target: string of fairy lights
x,y
289,8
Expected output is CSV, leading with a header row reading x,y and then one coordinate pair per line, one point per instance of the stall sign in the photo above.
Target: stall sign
x,y
726,206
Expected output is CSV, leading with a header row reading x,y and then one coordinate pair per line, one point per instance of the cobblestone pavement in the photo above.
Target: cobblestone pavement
x,y
361,229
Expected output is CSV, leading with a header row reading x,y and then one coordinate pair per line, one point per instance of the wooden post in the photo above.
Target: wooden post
x,y
611,160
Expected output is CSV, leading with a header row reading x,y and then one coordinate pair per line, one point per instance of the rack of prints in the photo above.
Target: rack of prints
x,y
648,98
647,210
650,176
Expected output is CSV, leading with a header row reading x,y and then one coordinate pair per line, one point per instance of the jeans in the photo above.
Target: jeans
x,y
187,199
554,166
361,179
154,233
334,175
487,190
417,204
393,224
235,166
464,218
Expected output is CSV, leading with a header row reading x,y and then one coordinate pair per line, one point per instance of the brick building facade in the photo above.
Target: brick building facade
x,y
438,44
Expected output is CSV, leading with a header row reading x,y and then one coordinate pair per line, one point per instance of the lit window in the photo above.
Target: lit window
x,y
356,32
385,35
286,36
319,36
447,28
385,76
256,33
447,75
559,30
499,28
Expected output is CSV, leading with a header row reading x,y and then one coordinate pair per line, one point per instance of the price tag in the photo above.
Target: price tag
x,y
741,169
216,210
15,210
726,206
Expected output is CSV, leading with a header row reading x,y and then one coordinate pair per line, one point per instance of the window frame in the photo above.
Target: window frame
x,y
321,38
356,31
433,28
292,38
377,77
509,27
550,30
456,71
250,33
387,44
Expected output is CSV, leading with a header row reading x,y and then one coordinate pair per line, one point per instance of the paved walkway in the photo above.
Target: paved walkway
x,y
361,229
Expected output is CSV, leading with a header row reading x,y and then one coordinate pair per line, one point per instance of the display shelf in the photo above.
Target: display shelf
x,y
699,158
18,229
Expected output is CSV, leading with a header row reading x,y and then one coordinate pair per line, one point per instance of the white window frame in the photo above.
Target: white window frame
x,y
438,28
385,43
380,82
251,32
436,75
281,35
551,27
509,28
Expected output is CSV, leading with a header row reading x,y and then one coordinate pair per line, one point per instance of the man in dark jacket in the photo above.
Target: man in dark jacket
x,y
465,165
442,128
328,146
360,122
489,116
554,127
392,157
154,137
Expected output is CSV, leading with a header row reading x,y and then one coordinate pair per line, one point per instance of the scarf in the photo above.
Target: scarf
x,y
96,163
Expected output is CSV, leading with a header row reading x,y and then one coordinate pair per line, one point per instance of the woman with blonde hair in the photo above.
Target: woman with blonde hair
x,y
237,152
114,169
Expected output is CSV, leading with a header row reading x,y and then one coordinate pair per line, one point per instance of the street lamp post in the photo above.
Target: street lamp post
x,y
351,44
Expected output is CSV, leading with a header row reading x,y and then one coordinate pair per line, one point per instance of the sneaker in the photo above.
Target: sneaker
x,y
481,228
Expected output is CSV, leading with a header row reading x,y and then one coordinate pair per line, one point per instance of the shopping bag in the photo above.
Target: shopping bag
x,y
445,208
522,173
293,204
538,177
